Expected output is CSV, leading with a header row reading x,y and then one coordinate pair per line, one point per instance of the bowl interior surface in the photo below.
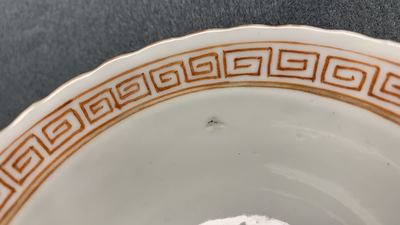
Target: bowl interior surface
x,y
294,156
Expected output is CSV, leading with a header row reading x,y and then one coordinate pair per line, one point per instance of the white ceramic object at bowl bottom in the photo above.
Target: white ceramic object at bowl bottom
x,y
294,123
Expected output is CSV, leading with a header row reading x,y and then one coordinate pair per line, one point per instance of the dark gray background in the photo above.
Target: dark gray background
x,y
44,43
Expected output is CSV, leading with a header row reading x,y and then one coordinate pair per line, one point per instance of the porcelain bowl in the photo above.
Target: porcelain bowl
x,y
295,123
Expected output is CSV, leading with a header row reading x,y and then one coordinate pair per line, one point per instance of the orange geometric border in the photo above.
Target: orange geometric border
x,y
304,61
20,191
198,74
335,75
236,66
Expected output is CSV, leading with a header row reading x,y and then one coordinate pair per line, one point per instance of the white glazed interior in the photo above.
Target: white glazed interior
x,y
297,157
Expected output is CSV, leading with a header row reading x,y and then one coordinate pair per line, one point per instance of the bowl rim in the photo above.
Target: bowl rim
x,y
334,39
46,104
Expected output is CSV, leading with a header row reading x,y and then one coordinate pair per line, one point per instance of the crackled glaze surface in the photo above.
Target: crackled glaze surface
x,y
363,80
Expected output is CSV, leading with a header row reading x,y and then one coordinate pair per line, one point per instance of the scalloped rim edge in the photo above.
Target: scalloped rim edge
x,y
12,130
